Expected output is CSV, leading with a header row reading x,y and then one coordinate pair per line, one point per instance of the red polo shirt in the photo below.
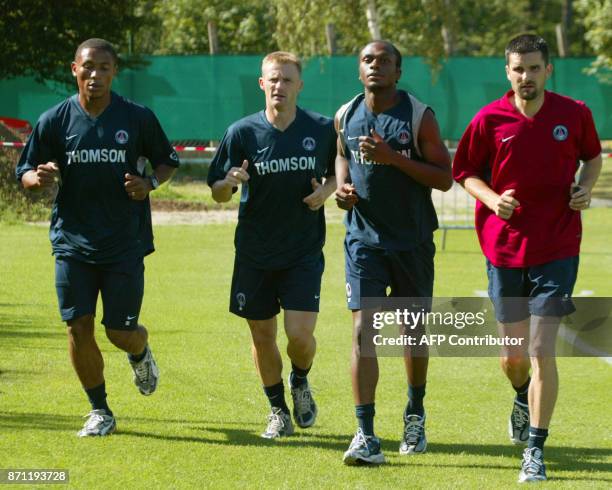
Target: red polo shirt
x,y
538,157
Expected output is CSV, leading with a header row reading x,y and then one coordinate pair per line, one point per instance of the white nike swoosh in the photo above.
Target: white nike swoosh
x,y
352,137
317,297
508,138
263,149
131,317
70,137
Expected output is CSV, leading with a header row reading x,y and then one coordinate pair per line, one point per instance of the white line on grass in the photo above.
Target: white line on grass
x,y
572,339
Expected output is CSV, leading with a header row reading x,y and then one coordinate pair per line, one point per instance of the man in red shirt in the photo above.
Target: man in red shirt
x,y
519,157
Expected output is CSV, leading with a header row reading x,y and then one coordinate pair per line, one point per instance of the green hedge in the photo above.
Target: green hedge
x,y
17,205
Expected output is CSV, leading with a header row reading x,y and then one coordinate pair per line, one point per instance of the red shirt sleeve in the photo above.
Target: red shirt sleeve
x,y
589,145
472,158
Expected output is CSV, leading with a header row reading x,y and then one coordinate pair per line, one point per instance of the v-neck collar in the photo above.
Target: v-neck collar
x,y
75,101
510,105
298,112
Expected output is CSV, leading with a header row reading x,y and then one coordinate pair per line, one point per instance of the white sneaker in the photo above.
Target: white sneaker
x,y
279,424
532,468
99,423
363,450
413,439
146,373
304,407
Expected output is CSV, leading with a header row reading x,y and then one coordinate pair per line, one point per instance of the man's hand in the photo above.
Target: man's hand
x,y
137,187
46,175
376,149
237,175
346,197
505,204
315,200
580,197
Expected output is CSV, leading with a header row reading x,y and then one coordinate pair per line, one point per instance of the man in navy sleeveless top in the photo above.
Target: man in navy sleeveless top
x,y
95,145
283,157
390,156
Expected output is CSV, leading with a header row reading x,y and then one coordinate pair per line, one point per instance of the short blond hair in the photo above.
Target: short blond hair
x,y
282,57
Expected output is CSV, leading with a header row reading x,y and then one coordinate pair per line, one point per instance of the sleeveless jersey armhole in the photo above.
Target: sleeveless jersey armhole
x,y
418,110
342,114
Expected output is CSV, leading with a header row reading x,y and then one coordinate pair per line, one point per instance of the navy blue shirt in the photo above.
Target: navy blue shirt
x,y
394,211
93,219
276,230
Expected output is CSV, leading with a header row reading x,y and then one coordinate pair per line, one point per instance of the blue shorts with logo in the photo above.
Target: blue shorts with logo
x,y
259,294
121,285
371,271
541,290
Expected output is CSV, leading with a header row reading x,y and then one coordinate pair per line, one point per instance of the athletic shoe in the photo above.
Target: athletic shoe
x,y
99,423
363,450
532,468
304,406
146,373
413,440
279,424
518,424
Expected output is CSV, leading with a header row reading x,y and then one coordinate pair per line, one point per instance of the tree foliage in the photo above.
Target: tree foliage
x,y
38,38
243,26
598,24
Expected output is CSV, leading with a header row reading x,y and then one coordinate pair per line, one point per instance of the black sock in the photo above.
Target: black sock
x,y
522,392
138,357
415,400
276,396
298,376
537,437
97,398
365,418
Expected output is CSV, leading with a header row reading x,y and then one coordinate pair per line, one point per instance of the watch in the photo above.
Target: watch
x,y
154,181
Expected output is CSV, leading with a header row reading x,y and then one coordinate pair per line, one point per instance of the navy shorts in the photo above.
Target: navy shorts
x,y
542,290
370,271
121,285
258,294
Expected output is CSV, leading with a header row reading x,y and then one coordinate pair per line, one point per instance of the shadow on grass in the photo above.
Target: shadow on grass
x,y
15,325
558,458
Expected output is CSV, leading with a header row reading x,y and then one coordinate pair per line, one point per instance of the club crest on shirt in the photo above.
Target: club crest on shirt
x,y
560,132
309,143
122,136
403,136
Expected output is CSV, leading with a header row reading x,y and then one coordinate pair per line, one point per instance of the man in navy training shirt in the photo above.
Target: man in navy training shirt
x,y
283,158
95,145
390,156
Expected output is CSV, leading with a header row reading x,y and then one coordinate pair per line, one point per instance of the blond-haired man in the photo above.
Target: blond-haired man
x,y
283,158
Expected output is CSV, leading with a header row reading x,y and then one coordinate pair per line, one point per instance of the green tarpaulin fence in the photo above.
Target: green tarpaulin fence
x,y
197,97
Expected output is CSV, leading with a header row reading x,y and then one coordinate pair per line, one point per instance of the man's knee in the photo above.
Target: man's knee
x,y
363,336
514,362
81,329
263,333
542,361
125,338
301,338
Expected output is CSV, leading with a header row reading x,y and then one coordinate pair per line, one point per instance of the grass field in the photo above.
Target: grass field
x,y
200,429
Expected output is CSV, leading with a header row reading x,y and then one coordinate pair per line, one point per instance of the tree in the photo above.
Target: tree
x,y
597,19
38,38
243,26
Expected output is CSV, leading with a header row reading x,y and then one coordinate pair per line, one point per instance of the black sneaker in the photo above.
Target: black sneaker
x,y
518,424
